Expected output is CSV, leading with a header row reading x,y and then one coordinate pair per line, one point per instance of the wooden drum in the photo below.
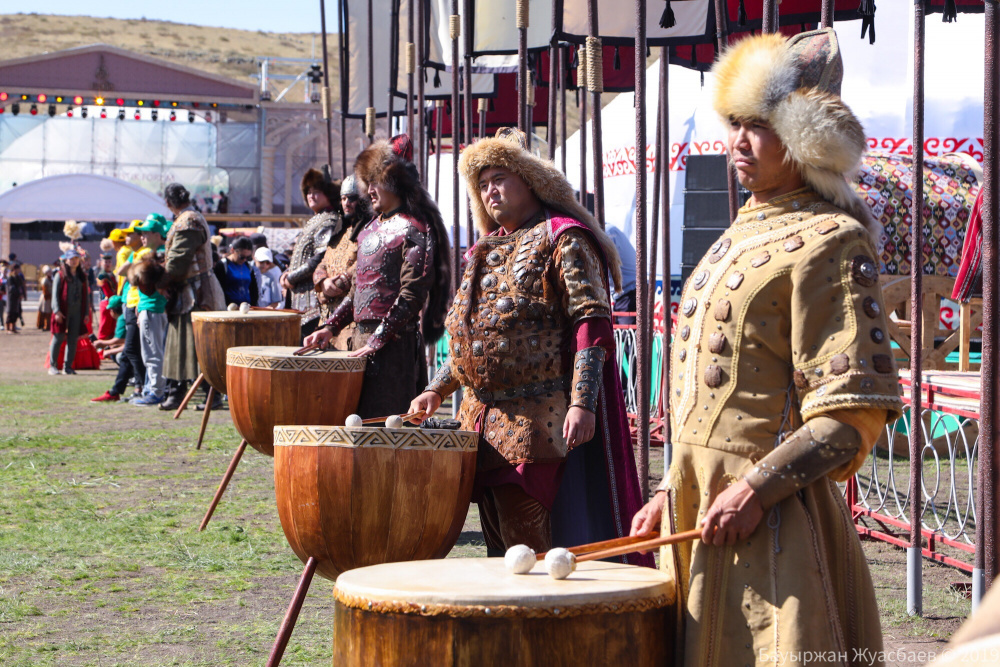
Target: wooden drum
x,y
270,386
471,611
351,497
218,330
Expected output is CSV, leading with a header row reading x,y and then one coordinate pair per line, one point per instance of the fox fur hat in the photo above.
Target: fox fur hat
x,y
507,151
793,84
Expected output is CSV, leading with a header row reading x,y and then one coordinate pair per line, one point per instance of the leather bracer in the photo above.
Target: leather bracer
x,y
342,316
588,370
444,383
821,445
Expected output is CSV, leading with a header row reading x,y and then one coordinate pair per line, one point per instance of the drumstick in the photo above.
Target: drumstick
x,y
642,546
277,310
307,348
606,544
405,418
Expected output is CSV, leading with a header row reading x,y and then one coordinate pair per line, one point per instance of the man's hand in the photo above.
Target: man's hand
x,y
366,351
429,402
321,337
284,281
733,516
578,427
647,519
336,286
59,317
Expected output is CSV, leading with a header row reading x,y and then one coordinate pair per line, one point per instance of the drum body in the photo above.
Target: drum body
x,y
270,386
471,611
218,330
352,497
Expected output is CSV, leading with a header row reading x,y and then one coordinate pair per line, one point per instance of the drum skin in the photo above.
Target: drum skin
x,y
352,497
269,386
218,330
412,625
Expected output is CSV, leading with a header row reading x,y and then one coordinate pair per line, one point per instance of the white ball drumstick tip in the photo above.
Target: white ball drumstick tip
x,y
244,307
233,306
559,563
519,559
353,421
394,421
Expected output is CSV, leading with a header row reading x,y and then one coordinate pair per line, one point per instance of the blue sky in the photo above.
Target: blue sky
x,y
271,16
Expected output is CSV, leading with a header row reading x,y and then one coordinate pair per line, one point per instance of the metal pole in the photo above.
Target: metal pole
x,y
826,14
550,132
562,105
663,172
343,40
769,22
456,138
722,41
369,113
914,593
522,66
325,95
468,109
420,117
641,275
410,68
581,100
596,87
985,563
393,64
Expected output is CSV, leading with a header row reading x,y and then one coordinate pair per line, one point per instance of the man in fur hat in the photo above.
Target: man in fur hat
x,y
783,378
334,276
532,344
322,196
402,265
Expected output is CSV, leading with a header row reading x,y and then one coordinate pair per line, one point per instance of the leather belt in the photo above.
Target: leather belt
x,y
525,390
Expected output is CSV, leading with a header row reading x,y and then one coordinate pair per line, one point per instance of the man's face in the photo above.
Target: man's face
x,y
506,196
150,239
383,199
264,266
107,265
350,204
240,256
759,156
317,200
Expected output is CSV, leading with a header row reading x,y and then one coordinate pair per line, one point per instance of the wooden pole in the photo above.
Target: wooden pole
x,y
292,615
595,83
188,395
663,173
456,139
223,484
421,126
562,105
204,418
581,100
325,95
644,314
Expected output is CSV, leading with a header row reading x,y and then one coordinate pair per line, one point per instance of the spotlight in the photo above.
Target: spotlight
x,y
190,116
34,109
52,110
153,115
15,108
173,104
104,112
215,105
43,98
120,102
24,98
173,115
99,101
140,103
3,97
59,99
137,116
78,101
156,103
121,114
83,112
194,104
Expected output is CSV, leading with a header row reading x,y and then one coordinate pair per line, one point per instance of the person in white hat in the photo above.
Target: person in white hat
x,y
270,275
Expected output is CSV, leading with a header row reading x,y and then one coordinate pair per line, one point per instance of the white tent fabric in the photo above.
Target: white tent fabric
x,y
877,86
78,197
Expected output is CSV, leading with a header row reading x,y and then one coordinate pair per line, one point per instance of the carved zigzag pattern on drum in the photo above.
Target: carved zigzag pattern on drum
x,y
500,610
376,436
320,364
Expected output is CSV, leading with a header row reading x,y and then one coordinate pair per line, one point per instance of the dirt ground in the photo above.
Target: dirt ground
x,y
259,604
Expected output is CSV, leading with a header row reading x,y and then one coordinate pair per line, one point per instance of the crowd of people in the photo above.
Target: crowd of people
x,y
781,376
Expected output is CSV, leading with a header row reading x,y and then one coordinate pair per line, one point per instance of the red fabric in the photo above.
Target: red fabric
x,y
972,252
107,321
87,358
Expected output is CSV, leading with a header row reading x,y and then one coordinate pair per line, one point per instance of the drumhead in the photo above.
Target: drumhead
x,y
376,436
280,358
485,582
237,316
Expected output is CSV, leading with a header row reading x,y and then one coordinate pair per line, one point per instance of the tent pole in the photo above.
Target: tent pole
x,y
769,22
410,69
641,262
663,171
522,66
370,112
456,139
986,564
343,42
595,84
469,235
393,65
562,104
421,111
826,14
326,87
581,100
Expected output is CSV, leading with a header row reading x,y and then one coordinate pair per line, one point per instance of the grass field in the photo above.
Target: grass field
x,y
101,561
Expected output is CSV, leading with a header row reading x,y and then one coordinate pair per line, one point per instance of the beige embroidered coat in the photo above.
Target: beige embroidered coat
x,y
781,321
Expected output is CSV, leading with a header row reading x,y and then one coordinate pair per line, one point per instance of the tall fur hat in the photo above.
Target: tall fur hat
x,y
507,150
314,178
794,85
388,164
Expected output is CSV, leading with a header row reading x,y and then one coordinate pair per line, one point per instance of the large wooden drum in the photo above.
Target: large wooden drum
x,y
471,611
270,386
218,330
351,497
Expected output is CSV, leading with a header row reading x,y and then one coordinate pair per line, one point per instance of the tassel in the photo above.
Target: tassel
x,y
618,59
424,70
667,20
867,12
694,56
703,79
573,62
648,52
437,78
950,12
741,14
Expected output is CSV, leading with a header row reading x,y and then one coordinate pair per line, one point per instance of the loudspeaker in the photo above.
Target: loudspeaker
x,y
706,207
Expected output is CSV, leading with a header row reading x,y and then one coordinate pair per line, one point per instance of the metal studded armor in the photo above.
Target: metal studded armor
x,y
393,272
511,328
